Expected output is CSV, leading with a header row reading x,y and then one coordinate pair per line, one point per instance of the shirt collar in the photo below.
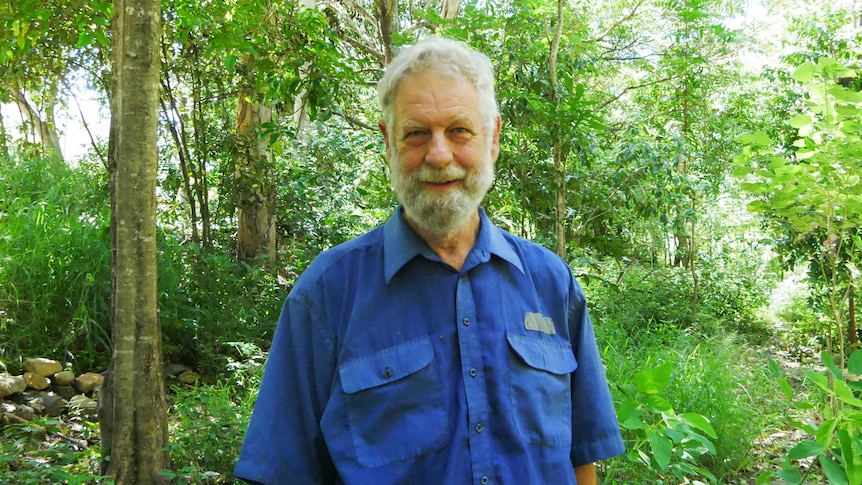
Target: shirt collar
x,y
401,244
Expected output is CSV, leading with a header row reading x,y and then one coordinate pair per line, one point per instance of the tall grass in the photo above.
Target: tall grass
x,y
55,258
716,372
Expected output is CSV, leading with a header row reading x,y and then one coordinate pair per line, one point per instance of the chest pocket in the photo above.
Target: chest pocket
x,y
393,403
541,389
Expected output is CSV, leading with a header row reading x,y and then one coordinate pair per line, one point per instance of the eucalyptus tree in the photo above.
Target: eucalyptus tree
x,y
41,44
133,415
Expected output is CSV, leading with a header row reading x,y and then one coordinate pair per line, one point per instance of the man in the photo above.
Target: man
x,y
436,349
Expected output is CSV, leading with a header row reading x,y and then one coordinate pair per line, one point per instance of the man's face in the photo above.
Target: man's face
x,y
441,154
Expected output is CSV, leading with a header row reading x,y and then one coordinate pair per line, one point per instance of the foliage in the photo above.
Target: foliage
x,y
55,254
209,421
814,191
837,440
659,438
714,377
26,458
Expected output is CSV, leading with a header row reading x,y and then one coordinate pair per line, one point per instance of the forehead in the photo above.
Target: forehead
x,y
431,96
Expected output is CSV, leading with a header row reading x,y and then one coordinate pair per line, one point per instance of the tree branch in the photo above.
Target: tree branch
x,y
637,86
619,22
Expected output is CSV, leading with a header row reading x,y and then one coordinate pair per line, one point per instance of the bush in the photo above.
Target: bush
x,y
55,253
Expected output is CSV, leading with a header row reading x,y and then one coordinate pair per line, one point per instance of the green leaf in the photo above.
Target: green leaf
x,y
790,475
804,73
799,121
657,404
826,358
655,380
742,170
662,449
854,364
825,431
834,473
229,62
764,478
804,449
851,457
762,139
699,422
844,393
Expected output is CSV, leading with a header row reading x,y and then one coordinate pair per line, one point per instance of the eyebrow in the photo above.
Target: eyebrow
x,y
456,120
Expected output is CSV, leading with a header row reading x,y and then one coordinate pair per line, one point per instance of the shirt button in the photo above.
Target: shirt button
x,y
484,480
466,322
473,372
480,427
387,372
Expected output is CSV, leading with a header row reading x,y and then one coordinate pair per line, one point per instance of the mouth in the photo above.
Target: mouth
x,y
441,185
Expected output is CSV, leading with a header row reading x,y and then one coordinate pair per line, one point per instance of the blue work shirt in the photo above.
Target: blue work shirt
x,y
389,366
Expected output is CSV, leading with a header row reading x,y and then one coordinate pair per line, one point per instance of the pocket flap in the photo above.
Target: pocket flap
x,y
554,357
385,366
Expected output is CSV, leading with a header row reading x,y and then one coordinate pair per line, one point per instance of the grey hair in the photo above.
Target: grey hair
x,y
448,57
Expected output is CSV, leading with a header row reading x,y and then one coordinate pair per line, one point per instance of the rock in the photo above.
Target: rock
x,y
85,383
43,367
36,381
10,384
64,378
175,369
189,377
21,410
44,402
83,405
66,392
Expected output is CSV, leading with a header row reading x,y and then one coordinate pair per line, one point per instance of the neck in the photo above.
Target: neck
x,y
452,247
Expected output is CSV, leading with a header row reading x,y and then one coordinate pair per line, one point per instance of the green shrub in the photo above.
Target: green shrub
x,y
35,453
208,422
718,377
55,255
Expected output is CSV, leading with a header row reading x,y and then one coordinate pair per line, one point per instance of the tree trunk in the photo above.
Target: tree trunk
x,y
133,407
301,119
387,18
559,153
44,129
256,214
853,336
449,9
4,141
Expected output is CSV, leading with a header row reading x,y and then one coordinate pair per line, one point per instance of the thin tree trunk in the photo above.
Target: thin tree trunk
x,y
301,119
449,9
133,407
387,18
4,142
183,152
256,214
559,153
44,129
201,186
853,337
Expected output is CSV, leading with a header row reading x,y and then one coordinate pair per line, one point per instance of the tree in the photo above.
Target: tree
x,y
133,408
815,190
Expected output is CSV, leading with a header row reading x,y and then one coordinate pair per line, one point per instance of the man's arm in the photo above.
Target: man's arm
x,y
586,474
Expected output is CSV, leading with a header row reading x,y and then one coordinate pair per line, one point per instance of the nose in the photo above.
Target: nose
x,y
439,152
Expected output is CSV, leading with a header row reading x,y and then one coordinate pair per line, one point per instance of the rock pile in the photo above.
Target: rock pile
x,y
45,389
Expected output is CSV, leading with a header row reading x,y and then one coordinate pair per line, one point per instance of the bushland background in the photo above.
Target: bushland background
x,y
697,163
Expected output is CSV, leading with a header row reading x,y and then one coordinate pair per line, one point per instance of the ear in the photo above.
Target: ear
x,y
384,130
495,140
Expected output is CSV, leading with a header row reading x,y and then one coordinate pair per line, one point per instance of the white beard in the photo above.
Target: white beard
x,y
442,212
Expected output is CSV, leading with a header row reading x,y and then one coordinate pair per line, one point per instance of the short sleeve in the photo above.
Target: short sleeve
x,y
596,431
284,444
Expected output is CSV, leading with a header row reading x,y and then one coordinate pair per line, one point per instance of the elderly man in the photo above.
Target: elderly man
x,y
436,349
